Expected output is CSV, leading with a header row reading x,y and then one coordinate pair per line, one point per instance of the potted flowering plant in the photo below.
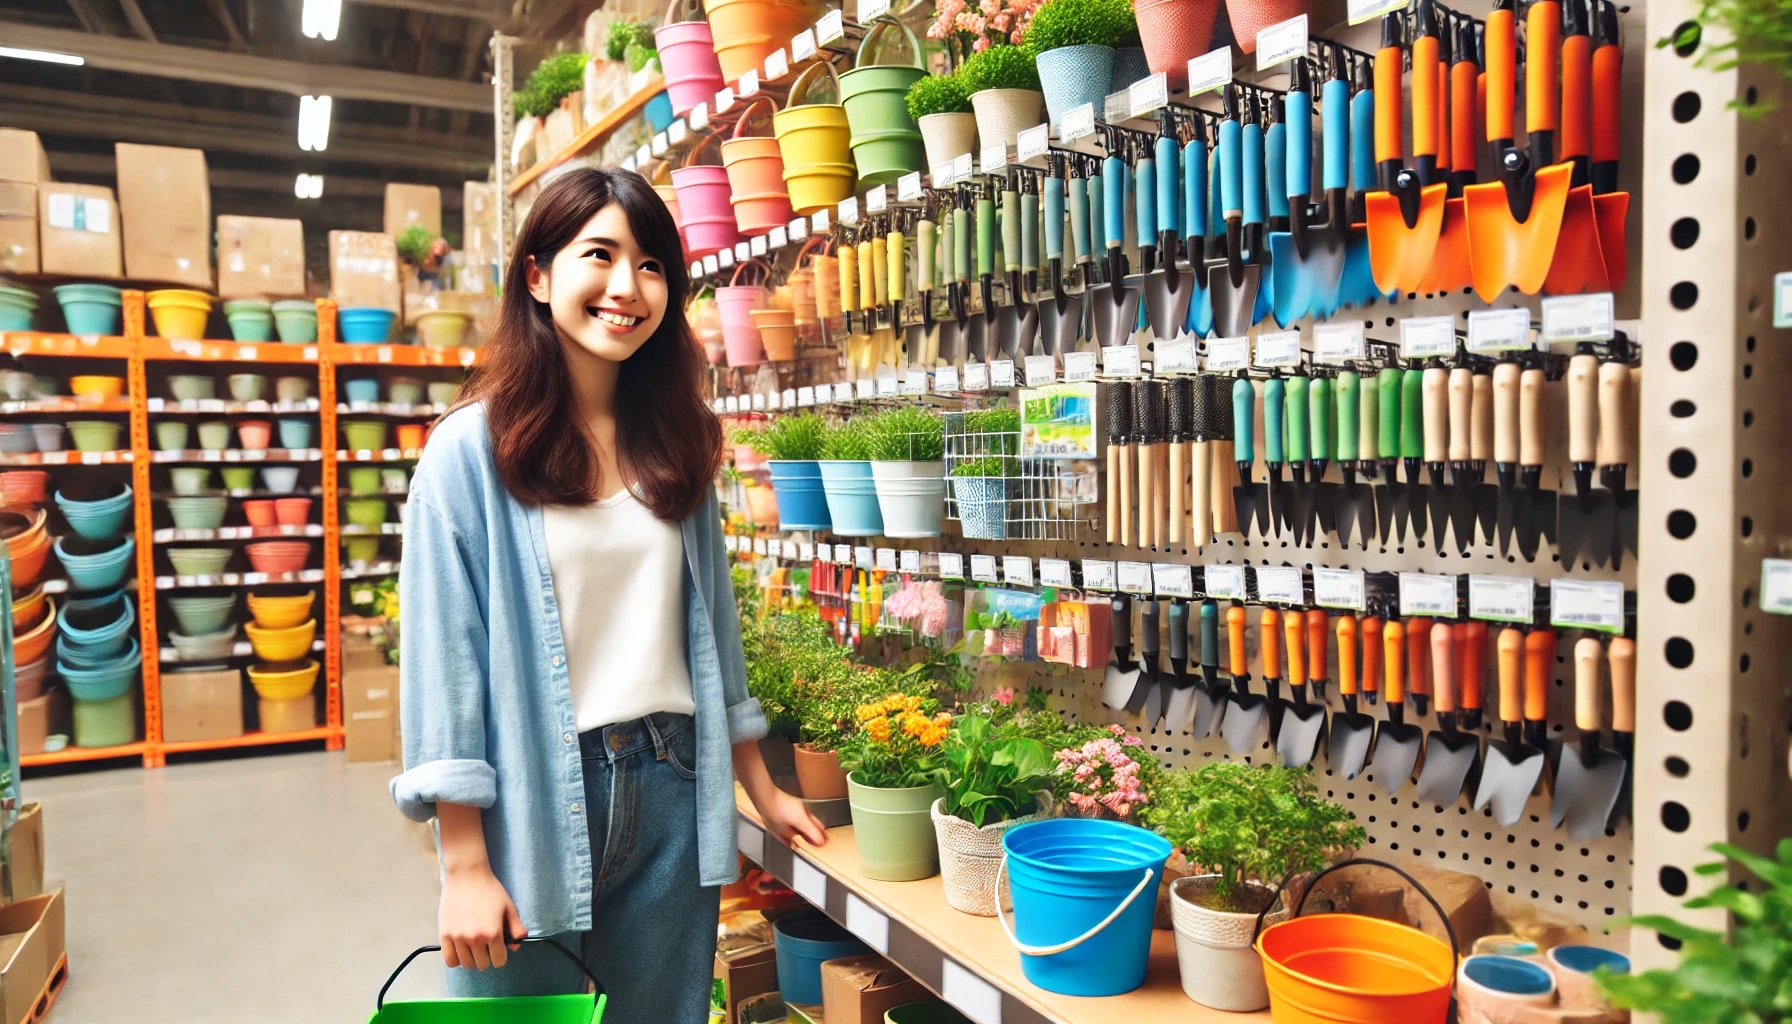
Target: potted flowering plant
x,y
993,774
1100,778
892,759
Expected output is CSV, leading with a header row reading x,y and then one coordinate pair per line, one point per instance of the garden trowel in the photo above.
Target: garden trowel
x,y
1122,675
1060,311
1303,723
1397,744
1182,688
1450,753
1232,282
1114,304
1168,287
1590,777
1351,730
1354,503
1146,694
1406,214
1250,500
1515,763
1307,261
1244,717
1585,520
1211,695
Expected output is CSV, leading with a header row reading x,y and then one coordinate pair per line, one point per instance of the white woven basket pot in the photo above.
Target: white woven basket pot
x,y
1214,949
1004,113
946,136
969,857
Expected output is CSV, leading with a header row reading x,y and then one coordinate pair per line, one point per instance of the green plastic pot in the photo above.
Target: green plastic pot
x,y
369,512
360,549
364,435
172,435
924,1013
251,324
295,320
893,829
239,478
190,480
214,435
364,480
95,435
106,723
886,144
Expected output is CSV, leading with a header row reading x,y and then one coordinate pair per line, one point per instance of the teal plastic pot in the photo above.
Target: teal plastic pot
x,y
250,319
365,325
295,320
893,829
106,723
1071,76
90,308
886,144
17,309
172,435
295,433
805,940
852,498
802,504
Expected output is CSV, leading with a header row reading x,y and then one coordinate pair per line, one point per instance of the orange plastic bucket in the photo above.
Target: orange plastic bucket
x,y
747,31
756,176
1361,970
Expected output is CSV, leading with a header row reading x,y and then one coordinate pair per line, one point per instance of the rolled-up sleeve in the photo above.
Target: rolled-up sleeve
x,y
746,719
443,671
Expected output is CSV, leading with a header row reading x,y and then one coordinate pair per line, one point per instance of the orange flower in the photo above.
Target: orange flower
x,y
915,725
879,730
933,736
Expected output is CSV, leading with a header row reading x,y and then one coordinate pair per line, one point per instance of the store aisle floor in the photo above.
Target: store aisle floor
x,y
272,889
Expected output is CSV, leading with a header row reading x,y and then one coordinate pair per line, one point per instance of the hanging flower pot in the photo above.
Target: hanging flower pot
x,y
802,505
894,831
818,773
756,176
852,498
945,136
815,141
705,210
1249,17
736,302
1220,968
912,496
969,860
688,56
1130,65
802,281
982,506
777,332
1174,32
885,142
1074,75
748,31
1004,113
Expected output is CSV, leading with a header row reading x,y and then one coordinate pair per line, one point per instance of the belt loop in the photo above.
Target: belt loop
x,y
659,740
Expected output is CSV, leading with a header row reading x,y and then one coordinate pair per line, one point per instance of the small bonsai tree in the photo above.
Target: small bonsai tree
x,y
1061,23
938,94
1000,67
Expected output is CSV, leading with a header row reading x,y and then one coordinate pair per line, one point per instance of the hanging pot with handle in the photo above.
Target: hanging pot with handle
x,y
688,56
660,177
1174,32
815,141
704,205
748,31
736,302
756,176
1249,17
803,282
885,142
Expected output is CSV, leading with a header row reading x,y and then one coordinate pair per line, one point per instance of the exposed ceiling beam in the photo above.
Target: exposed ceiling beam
x,y
248,71
222,13
479,10
139,24
102,165
91,17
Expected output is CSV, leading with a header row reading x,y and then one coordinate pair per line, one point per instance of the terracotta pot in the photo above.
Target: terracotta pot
x,y
819,774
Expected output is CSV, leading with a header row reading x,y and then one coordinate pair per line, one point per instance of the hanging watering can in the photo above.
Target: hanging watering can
x,y
706,212
688,56
756,176
885,142
815,141
736,301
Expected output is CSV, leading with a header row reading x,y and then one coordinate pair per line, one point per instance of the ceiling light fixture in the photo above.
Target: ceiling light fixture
x,y
308,186
43,55
320,18
314,123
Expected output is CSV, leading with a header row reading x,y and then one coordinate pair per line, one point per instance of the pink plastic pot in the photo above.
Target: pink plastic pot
x,y
292,511
261,512
1174,31
705,207
254,435
688,58
736,302
278,556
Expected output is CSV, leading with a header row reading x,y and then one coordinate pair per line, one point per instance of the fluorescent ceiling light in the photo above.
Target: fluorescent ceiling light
x,y
308,186
314,123
43,55
321,18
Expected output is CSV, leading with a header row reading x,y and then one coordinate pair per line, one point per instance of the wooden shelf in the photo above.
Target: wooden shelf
x,y
593,136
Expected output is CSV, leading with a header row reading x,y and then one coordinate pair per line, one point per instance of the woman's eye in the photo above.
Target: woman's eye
x,y
651,267
602,254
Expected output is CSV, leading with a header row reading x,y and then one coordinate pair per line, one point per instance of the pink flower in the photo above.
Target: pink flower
x,y
1004,696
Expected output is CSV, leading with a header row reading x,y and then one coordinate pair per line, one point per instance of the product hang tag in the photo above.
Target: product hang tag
x,y
798,229
1176,357
1229,355
886,559
914,383
945,380
805,397
1338,588
677,132
1587,604
1030,143
1017,570
696,271
1118,361
1422,337
1279,584
1278,349
777,237
1099,574
1361,11
806,551
1427,594
1338,342
1148,94
1172,579
1078,366
1498,330
861,556
1776,586
830,28
871,10
951,566
942,175
910,559
789,547
842,554
758,402
908,186
710,264
994,157
757,245
877,200
847,208
866,389
802,45
1210,71
699,117
1076,123
777,65
1041,370
1577,318
1501,598
1223,582
760,547
743,251
976,377
888,386
724,100
962,167
1282,42
725,258
732,402
1114,107
644,154
1054,572
983,569
1135,577
1001,374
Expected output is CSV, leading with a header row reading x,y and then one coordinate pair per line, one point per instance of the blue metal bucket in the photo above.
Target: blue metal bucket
x,y
802,504
852,498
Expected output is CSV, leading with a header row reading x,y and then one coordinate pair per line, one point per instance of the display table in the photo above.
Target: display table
x,y
966,960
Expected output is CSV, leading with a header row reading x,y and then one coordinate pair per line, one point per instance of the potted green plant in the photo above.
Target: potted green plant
x,y
892,759
846,479
1003,82
983,477
792,444
1073,43
993,775
1245,828
941,107
908,466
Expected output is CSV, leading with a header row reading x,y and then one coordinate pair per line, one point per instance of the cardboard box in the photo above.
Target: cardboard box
x,y
22,157
33,937
77,231
413,204
861,989
24,872
18,228
370,713
289,715
261,258
202,705
364,270
745,972
165,196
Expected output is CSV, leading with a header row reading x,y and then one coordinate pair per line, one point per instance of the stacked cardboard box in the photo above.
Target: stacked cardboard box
x,y
23,165
164,193
413,204
479,236
861,989
369,701
261,258
202,705
364,270
33,938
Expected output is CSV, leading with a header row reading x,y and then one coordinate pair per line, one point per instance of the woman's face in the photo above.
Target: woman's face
x,y
607,294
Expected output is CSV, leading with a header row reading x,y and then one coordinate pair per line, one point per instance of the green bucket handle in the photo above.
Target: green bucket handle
x,y
877,26
379,1002
800,87
1450,930
1014,940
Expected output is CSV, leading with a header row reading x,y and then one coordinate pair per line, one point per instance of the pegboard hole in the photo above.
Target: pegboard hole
x,y
1685,233
1673,880
1686,38
1750,96
1668,942
1677,714
1682,523
1684,355
1686,106
1681,588
1682,409
1678,651
1748,468
1686,169
1743,665
1748,418
1748,166
1742,820
1682,462
1684,295
1748,526
1749,343
1675,817
1748,229
1677,767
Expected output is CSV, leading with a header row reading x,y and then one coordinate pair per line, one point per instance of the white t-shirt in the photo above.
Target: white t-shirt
x,y
619,581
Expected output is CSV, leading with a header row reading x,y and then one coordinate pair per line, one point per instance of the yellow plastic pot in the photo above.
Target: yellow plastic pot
x,y
816,142
281,644
283,612
282,682
180,312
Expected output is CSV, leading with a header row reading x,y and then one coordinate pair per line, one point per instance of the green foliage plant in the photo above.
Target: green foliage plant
x,y
907,434
991,770
1757,32
1000,67
414,244
624,34
1251,825
554,79
848,441
1742,978
1061,23
938,94
789,438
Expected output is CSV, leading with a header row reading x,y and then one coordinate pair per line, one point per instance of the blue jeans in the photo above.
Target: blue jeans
x,y
654,943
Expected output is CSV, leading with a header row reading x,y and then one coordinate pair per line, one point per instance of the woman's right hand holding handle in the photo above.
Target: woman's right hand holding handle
x,y
476,915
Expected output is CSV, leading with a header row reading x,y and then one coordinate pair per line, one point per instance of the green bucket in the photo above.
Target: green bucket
x,y
894,831
566,1009
886,144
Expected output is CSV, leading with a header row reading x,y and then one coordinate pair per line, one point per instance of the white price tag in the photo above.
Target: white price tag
x,y
865,388
806,551
1280,584
1422,337
994,157
1782,299
962,167
1118,361
976,377
1210,71
942,175
1099,574
911,560
868,923
1776,586
732,403
983,569
886,559
1338,342
909,186
789,549
1135,577
1277,349
758,403
749,82
802,45
1078,366
842,554
1501,598
830,28
888,386
945,380
1031,142
757,245
1113,107
1587,604
1148,94
1575,318
777,237
677,132
1041,370
697,268
743,251
809,881
877,200
914,383
777,65
951,566
848,209
1282,42
1427,594
871,10
774,402
1054,572
1001,373
1017,570
805,397
725,258
724,100
976,998
861,556
1223,582
1369,10
1077,122
760,547
1228,355
1176,357
798,229
710,264
642,155
699,117
1339,588
1496,330
1172,580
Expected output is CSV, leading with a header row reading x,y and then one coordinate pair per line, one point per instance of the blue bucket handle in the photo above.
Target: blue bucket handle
x,y
379,1002
1001,872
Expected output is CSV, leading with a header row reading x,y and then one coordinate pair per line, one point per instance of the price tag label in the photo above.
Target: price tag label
x,y
909,186
914,383
1278,349
911,560
842,554
743,251
1135,577
942,174
1427,594
756,245
777,237
1576,318
1497,330
861,556
1227,355
1099,574
1176,357
699,117
865,388
1422,337
1001,373
1078,366
962,167
1054,572
758,403
877,200
642,155
1282,42
773,401
732,403
1148,94
1210,71
1776,586
802,45
871,10
1587,604
789,548
1077,122
1279,584
983,569
1223,582
1335,343
1017,570
1501,598
93,458
1113,107
945,380
1118,361
1172,580
724,100
886,559
777,65
1030,143
806,551
710,264
677,132
805,397
994,157
1369,10
951,566
820,223
888,386
830,28
798,229
1339,588
976,377
760,547
697,268
1041,370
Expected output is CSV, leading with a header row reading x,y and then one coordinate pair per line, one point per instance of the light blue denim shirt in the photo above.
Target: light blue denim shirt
x,y
486,703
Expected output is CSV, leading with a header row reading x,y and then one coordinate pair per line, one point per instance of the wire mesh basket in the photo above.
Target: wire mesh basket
x,y
996,494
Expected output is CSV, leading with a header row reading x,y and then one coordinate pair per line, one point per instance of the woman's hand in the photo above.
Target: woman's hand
x,y
785,818
475,919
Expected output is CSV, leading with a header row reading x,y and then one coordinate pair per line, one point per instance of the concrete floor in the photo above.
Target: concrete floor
x,y
279,888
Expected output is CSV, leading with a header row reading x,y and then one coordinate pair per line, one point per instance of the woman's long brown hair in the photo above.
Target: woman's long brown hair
x,y
665,432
